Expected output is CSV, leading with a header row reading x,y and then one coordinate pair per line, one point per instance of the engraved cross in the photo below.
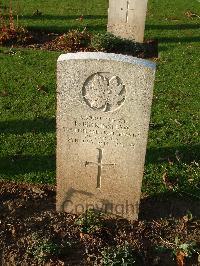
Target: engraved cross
x,y
99,165
127,10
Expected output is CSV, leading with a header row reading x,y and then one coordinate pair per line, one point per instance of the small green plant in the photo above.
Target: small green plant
x,y
44,248
90,221
188,248
120,256
110,43
179,250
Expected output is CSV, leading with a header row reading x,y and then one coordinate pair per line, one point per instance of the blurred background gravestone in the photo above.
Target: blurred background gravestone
x,y
126,18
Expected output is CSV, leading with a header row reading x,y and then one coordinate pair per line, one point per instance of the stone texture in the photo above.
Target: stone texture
x,y
126,18
103,112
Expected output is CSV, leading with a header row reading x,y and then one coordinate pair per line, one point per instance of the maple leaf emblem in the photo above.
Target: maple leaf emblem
x,y
104,93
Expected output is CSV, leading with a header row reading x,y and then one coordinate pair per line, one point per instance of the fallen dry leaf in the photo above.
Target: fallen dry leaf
x,y
166,181
41,88
81,235
189,14
80,18
4,93
180,258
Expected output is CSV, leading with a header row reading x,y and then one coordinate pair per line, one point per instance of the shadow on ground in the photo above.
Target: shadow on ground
x,y
58,17
22,164
179,39
38,125
172,27
38,198
186,153
168,205
66,28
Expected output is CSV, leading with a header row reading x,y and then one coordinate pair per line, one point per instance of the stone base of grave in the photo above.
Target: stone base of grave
x,y
126,31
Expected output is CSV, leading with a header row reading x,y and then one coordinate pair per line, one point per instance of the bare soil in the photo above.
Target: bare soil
x,y
27,213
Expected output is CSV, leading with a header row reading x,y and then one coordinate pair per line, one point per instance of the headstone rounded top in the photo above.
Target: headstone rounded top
x,y
107,56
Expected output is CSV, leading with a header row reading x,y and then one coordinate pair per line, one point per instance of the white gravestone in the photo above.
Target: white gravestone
x,y
103,111
126,18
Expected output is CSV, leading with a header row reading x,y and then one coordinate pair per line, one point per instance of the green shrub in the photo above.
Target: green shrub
x,y
90,221
120,256
110,43
188,248
43,249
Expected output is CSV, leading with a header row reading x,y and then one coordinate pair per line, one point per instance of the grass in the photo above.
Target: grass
x,y
60,16
28,94
28,115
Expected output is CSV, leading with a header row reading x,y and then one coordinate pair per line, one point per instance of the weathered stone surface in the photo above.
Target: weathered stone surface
x,y
103,111
126,18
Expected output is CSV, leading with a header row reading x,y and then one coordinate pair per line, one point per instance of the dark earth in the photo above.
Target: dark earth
x,y
33,233
75,41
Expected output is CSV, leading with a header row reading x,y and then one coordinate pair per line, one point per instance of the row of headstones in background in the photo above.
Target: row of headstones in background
x,y
103,111
126,18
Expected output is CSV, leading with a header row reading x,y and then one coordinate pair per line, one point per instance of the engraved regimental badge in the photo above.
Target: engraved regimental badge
x,y
104,92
